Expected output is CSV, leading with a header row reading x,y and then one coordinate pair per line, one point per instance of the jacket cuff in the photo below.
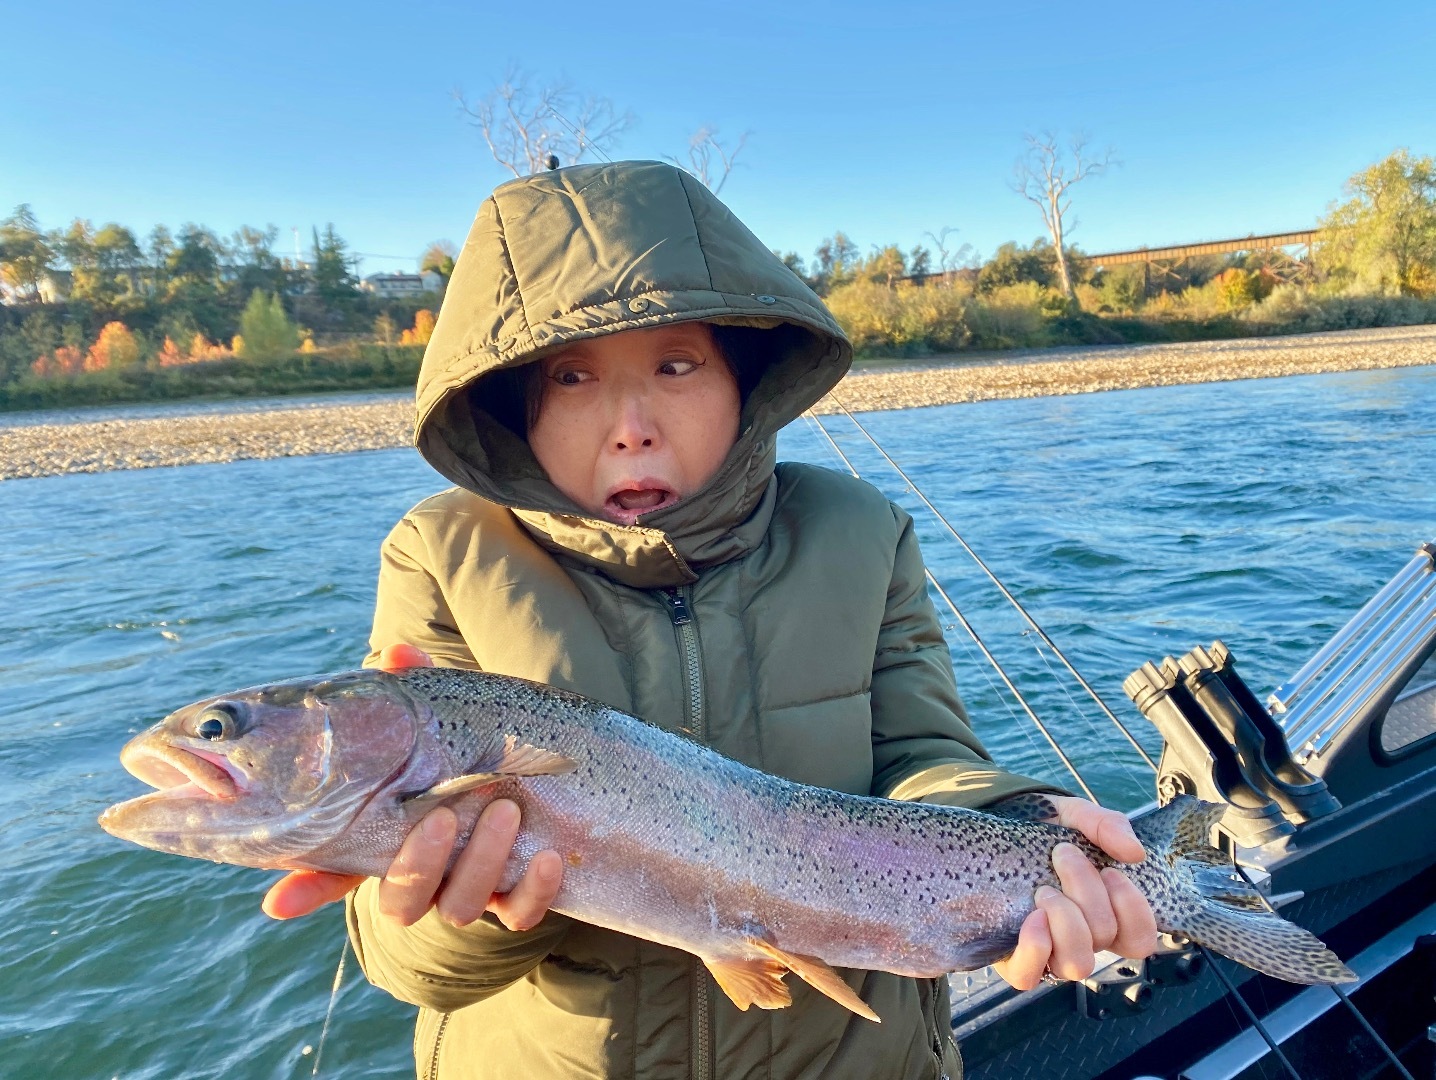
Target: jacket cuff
x,y
438,966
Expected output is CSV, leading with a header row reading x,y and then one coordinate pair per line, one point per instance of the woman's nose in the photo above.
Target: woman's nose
x,y
633,423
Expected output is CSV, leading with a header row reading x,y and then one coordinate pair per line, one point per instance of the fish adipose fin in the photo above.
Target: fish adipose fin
x,y
752,982
1208,901
516,759
820,977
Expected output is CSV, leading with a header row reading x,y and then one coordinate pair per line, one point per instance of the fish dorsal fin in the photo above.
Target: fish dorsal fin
x,y
515,759
751,982
1031,806
819,976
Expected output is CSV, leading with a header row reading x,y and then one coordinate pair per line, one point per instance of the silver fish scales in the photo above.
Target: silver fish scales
x,y
662,838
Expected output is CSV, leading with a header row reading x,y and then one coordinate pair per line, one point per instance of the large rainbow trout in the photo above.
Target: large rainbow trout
x,y
661,838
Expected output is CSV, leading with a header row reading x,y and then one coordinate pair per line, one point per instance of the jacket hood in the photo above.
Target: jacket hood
x,y
588,250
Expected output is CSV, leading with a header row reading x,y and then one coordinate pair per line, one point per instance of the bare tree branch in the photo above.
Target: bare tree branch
x,y
946,259
1043,176
702,149
524,127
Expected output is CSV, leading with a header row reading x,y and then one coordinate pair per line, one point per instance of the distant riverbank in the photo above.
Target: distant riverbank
x,y
137,437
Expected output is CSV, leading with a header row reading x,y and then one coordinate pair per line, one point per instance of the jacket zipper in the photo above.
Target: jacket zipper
x,y
686,630
438,1042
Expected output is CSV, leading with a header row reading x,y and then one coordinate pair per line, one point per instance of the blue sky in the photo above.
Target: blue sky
x,y
883,120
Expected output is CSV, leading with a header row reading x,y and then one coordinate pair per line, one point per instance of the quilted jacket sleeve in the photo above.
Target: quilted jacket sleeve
x,y
433,964
923,746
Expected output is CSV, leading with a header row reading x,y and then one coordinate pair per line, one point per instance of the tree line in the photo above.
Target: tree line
x,y
82,300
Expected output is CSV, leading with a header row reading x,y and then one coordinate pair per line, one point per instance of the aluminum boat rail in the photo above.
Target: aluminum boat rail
x,y
1355,669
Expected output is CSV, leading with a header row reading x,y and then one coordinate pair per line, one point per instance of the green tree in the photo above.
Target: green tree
x,y
192,287
256,264
1385,234
333,282
835,263
25,253
885,265
439,257
1012,264
267,332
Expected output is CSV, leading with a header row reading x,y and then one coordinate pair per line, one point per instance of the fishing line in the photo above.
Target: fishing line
x,y
333,997
1341,994
1261,1030
1040,752
583,140
1123,762
986,652
996,581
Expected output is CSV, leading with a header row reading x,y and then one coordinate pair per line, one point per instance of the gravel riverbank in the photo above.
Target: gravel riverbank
x,y
140,437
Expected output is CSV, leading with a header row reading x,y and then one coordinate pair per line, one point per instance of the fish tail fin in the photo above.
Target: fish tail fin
x,y
1204,898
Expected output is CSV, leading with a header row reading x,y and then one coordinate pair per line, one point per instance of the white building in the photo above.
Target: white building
x,y
402,284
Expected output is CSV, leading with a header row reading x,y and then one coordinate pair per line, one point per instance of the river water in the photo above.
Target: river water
x,y
1132,524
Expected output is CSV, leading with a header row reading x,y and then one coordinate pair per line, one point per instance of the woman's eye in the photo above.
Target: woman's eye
x,y
569,377
678,367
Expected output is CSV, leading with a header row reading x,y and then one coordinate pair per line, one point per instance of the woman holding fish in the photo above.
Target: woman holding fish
x,y
614,358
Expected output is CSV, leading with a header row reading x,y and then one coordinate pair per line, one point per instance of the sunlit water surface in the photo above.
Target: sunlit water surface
x,y
1132,524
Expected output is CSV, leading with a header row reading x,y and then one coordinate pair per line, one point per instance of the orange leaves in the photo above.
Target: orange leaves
x,y
116,347
423,329
66,360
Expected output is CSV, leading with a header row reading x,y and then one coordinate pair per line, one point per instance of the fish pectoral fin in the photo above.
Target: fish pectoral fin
x,y
516,759
751,982
524,759
820,977
447,789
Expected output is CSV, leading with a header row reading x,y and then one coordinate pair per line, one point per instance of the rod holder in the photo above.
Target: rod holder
x,y
1221,745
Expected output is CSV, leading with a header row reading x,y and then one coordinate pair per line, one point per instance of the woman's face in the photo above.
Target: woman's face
x,y
630,423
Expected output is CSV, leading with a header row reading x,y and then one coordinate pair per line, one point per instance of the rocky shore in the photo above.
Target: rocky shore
x,y
145,437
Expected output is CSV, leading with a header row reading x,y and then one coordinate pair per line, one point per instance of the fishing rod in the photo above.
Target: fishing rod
x,y
1228,985
972,633
997,581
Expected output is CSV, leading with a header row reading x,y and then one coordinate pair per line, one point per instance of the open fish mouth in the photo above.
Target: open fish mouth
x,y
179,773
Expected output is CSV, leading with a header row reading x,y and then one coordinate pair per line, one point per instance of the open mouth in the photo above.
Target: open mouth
x,y
641,497
179,773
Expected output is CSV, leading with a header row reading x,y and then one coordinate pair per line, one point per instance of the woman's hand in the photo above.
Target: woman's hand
x,y
415,880
1095,910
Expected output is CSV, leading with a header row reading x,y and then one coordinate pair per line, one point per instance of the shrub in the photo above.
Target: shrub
x,y
423,329
906,320
1009,317
116,347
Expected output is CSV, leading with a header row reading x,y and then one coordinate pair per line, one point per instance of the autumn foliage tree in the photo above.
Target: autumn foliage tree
x,y
1384,235
116,347
422,331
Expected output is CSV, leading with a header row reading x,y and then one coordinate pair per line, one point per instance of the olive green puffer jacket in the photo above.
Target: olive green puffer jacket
x,y
780,615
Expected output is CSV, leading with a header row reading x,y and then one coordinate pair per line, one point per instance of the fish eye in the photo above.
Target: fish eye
x,y
216,722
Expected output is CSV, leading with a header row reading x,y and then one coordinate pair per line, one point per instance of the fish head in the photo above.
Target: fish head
x,y
266,776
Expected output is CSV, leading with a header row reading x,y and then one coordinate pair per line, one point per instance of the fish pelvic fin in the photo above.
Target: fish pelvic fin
x,y
515,759
751,982
1204,897
820,977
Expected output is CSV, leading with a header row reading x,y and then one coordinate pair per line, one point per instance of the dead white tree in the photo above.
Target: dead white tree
x,y
528,130
1043,176
948,259
706,153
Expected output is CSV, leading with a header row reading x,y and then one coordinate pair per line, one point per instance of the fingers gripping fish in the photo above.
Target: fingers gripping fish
x,y
661,838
